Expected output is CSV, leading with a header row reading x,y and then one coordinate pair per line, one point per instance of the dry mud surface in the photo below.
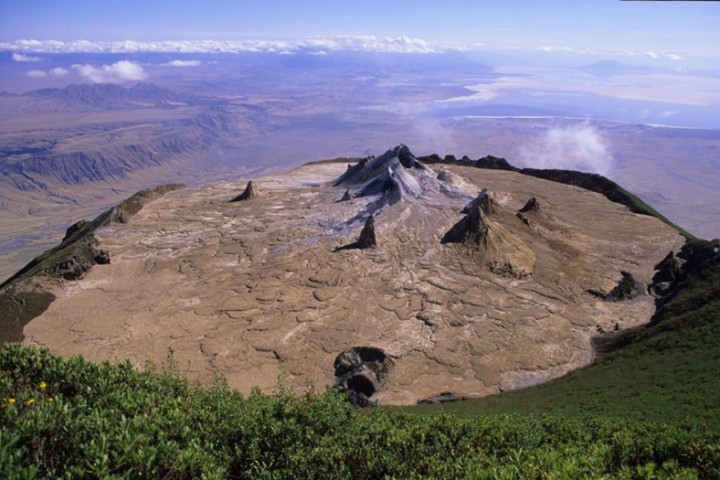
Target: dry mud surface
x,y
252,289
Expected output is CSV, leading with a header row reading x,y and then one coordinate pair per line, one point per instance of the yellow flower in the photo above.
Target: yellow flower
x,y
29,401
51,399
43,385
11,401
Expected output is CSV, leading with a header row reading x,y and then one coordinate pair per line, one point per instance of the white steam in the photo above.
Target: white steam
x,y
575,147
121,71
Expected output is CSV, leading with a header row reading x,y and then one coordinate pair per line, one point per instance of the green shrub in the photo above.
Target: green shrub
x,y
70,418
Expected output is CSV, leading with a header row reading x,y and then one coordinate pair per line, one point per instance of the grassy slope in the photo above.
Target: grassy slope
x,y
667,371
69,418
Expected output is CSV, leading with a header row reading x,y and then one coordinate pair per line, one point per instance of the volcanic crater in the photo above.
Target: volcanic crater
x,y
475,281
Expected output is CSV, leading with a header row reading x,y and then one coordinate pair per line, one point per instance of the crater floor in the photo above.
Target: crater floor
x,y
254,289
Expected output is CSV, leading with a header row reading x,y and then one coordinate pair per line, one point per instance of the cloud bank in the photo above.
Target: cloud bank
x,y
365,43
19,57
122,71
183,63
575,147
55,72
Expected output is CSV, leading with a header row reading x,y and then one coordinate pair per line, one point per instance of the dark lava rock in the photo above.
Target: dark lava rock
x,y
251,191
431,159
627,288
367,238
445,397
407,159
699,254
494,163
667,272
375,169
532,205
74,228
78,259
484,201
102,257
672,274
346,197
470,229
362,372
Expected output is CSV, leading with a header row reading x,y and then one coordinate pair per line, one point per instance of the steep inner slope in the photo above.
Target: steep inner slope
x,y
253,288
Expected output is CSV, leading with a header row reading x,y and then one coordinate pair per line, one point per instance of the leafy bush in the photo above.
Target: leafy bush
x,y
70,418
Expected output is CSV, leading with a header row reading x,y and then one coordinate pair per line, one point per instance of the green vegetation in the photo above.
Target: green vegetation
x,y
71,418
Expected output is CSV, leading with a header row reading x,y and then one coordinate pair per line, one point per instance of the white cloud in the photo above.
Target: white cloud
x,y
121,71
556,49
55,72
576,147
58,72
366,43
183,63
19,57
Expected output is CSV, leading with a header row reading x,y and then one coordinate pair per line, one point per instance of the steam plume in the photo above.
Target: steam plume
x,y
574,147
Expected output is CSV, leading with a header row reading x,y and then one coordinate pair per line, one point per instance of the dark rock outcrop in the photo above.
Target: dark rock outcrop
x,y
251,191
470,229
346,197
672,273
444,397
531,205
362,372
483,201
494,163
667,272
367,238
479,231
531,208
628,288
374,168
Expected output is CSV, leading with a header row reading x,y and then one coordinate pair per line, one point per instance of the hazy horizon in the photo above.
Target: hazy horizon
x,y
640,62
266,86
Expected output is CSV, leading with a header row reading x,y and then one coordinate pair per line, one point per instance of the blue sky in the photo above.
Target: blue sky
x,y
685,28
